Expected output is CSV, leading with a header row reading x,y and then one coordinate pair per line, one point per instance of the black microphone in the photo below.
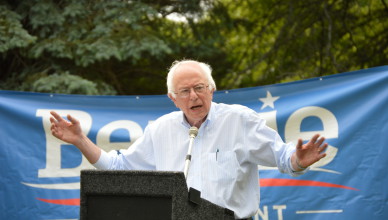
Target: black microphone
x,y
192,133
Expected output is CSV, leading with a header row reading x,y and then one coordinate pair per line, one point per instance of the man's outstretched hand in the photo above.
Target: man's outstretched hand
x,y
311,152
68,131
71,132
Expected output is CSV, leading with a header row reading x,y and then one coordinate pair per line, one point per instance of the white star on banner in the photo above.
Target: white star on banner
x,y
268,101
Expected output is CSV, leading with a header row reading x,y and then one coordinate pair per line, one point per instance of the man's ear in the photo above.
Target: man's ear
x,y
212,92
172,99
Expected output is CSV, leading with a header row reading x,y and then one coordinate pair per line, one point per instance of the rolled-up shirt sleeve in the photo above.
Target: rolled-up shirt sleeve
x,y
103,162
139,156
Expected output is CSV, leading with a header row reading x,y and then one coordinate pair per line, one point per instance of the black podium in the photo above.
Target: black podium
x,y
158,195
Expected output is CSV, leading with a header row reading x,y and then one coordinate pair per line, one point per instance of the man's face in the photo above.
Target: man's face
x,y
195,106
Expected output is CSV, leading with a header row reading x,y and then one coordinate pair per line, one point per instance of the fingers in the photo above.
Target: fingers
x,y
321,156
320,141
313,150
52,120
315,143
322,148
300,144
72,120
314,139
53,128
56,116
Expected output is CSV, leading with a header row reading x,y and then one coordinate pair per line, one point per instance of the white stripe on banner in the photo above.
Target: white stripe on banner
x,y
75,185
319,211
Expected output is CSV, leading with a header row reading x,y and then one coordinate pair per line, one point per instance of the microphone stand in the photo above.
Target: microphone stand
x,y
194,195
193,133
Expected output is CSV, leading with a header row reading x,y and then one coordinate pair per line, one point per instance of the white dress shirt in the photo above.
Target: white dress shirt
x,y
230,144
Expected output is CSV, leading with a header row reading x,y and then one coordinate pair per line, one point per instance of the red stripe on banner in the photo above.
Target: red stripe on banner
x,y
294,182
263,183
61,201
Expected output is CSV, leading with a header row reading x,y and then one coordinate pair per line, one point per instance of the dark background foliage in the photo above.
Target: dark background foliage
x,y
125,47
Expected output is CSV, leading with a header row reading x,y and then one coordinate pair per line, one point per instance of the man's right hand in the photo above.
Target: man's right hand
x,y
68,131
71,132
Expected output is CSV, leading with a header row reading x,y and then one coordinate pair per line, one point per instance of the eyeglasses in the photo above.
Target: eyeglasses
x,y
199,89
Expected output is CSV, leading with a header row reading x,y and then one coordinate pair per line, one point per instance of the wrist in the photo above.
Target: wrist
x,y
81,141
300,167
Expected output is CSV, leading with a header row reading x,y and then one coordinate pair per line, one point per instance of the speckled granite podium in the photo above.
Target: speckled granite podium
x,y
142,195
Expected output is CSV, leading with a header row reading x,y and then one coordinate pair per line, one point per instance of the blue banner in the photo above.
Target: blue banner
x,y
40,174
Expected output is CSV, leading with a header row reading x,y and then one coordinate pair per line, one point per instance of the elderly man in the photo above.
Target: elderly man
x,y
232,140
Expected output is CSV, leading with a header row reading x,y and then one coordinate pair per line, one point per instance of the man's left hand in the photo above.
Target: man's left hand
x,y
309,153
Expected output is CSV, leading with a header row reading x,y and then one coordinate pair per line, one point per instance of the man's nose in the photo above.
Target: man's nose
x,y
193,94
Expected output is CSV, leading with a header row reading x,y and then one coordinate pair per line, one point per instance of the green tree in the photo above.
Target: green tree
x,y
281,41
125,47
126,44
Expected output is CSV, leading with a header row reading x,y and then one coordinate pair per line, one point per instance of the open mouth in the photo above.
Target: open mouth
x,y
196,107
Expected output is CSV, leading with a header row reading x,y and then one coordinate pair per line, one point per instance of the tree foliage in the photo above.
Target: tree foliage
x,y
281,41
125,47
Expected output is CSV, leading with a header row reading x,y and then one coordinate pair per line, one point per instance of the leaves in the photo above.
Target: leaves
x,y
293,40
130,44
69,84
12,34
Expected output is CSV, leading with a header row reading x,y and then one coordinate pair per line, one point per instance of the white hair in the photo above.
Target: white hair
x,y
205,69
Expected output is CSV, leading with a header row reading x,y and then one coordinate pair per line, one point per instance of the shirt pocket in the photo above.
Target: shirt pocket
x,y
223,167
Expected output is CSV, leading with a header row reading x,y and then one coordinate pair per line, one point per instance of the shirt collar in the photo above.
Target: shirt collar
x,y
211,115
